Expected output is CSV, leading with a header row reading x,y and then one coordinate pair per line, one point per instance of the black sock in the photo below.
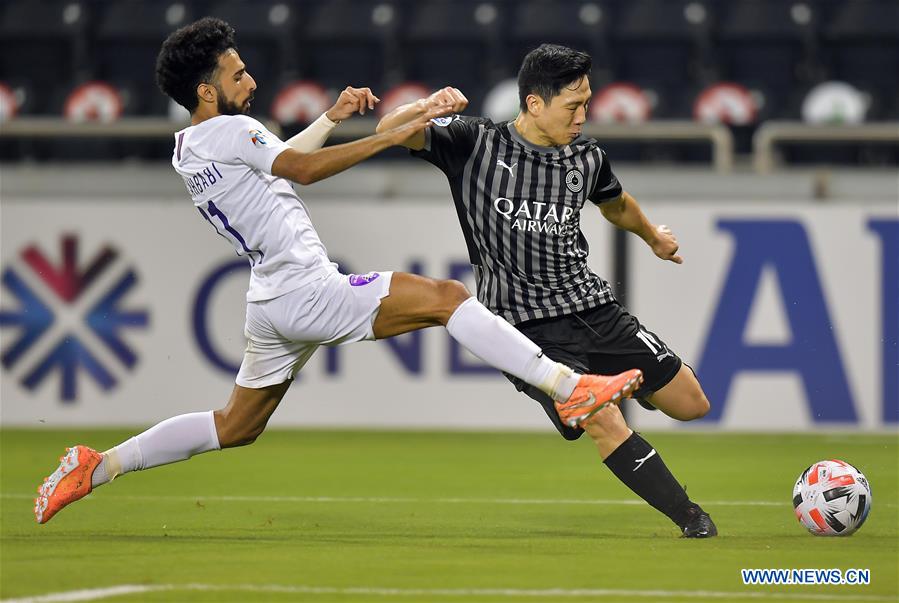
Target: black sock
x,y
640,467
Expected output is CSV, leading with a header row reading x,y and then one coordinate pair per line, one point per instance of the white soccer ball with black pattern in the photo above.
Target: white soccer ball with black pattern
x,y
832,498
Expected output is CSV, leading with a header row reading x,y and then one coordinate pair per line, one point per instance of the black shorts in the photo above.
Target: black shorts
x,y
604,340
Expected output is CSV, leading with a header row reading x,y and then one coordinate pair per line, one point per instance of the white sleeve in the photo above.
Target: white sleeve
x,y
255,145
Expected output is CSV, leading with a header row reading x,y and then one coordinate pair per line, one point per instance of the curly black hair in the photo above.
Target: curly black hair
x,y
548,68
190,56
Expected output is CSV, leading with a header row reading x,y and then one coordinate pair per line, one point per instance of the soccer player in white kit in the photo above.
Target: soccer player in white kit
x,y
237,174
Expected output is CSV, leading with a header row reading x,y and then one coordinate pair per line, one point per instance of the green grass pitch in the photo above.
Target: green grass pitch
x,y
411,516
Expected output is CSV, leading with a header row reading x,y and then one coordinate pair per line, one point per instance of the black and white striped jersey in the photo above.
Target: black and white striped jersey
x,y
519,207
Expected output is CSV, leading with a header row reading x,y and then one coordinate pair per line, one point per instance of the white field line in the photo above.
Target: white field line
x,y
446,500
413,500
546,594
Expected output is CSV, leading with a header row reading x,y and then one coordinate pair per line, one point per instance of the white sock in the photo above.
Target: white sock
x,y
502,346
175,439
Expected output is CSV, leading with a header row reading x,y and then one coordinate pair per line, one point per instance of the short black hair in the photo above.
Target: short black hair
x,y
190,56
549,68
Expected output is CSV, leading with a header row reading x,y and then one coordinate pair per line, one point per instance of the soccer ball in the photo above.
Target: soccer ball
x,y
832,498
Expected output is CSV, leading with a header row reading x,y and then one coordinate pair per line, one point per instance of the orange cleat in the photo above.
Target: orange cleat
x,y
70,482
594,392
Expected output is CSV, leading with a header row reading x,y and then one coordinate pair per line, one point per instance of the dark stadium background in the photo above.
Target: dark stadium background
x,y
672,49
764,132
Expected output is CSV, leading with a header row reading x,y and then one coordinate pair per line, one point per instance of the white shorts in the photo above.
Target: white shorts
x,y
283,333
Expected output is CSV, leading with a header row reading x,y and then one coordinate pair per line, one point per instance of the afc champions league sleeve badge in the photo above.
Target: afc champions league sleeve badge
x,y
574,180
258,138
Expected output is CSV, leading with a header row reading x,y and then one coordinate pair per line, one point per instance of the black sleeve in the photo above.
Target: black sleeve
x,y
607,186
449,142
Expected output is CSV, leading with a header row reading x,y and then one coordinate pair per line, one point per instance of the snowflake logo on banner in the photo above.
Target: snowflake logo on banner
x,y
69,318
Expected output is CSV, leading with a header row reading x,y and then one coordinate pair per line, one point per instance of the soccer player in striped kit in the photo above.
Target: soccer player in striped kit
x,y
519,188
238,175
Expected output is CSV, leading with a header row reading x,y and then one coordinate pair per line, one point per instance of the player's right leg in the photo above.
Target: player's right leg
x,y
82,469
631,458
415,302
636,463
612,337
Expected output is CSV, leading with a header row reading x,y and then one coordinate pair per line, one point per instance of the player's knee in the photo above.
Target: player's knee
x,y
695,407
248,435
451,294
238,437
454,291
232,434
701,406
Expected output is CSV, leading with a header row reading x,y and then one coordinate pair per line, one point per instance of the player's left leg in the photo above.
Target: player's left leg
x,y
178,438
415,302
269,365
681,398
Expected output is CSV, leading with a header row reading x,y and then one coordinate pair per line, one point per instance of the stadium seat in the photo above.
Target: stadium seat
x,y
42,44
94,102
15,98
768,43
669,101
662,41
580,24
456,43
26,100
725,102
128,37
834,102
70,100
861,46
352,43
266,40
299,102
621,102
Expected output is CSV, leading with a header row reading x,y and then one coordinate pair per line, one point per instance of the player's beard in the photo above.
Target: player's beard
x,y
227,107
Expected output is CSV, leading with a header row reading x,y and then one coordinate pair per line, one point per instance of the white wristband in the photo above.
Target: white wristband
x,y
313,137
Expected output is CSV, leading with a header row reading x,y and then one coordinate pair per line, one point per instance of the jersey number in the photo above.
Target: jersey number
x,y
215,211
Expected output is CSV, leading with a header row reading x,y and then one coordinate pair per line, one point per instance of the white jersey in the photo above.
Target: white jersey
x,y
226,163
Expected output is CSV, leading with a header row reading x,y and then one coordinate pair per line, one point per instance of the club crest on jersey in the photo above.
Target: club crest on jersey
x,y
258,138
574,180
357,280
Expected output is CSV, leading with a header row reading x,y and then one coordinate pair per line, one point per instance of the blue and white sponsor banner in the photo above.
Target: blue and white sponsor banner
x,y
125,313
789,315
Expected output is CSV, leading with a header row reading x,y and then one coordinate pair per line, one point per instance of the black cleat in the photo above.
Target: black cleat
x,y
700,525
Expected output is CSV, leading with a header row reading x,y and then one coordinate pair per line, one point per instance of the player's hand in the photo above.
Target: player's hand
x,y
448,96
402,133
665,245
352,100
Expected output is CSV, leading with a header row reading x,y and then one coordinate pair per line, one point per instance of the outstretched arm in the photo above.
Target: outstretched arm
x,y
306,168
351,101
405,113
624,212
